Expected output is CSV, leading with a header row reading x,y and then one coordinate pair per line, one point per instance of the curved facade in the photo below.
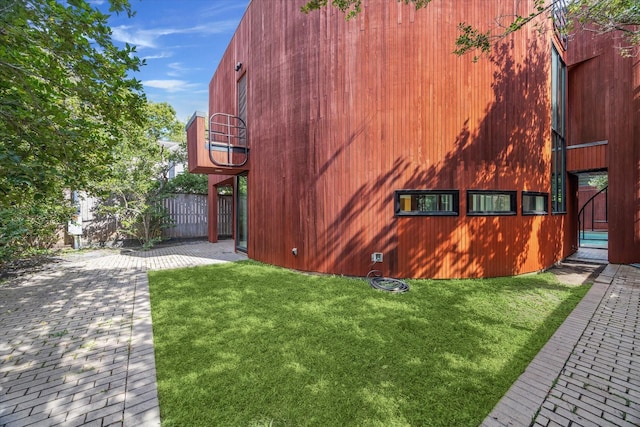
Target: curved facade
x,y
370,136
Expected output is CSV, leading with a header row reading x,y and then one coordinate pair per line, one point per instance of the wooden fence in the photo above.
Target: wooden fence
x,y
188,212
225,216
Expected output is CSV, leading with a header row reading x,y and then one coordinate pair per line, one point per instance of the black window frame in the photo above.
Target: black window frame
x,y
513,202
545,197
558,193
455,201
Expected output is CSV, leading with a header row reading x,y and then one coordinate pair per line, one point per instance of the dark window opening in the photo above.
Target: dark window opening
x,y
535,203
427,202
491,202
558,133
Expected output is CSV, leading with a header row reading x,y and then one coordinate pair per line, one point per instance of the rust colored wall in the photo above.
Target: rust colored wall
x,y
342,114
587,158
605,105
197,157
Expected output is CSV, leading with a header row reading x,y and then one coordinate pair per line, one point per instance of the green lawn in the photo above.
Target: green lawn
x,y
246,344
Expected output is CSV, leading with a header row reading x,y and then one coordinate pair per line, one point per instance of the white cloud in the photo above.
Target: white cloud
x,y
222,7
160,55
177,66
149,38
178,69
170,85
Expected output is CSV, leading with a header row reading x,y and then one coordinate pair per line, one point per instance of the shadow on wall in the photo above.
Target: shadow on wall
x,y
508,150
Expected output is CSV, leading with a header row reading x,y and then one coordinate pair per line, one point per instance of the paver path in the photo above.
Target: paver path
x,y
588,374
76,345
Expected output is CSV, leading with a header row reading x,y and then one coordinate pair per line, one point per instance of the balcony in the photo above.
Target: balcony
x,y
219,149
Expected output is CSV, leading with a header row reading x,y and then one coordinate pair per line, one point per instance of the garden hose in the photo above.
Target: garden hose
x,y
375,279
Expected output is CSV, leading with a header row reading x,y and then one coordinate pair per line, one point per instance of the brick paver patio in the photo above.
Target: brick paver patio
x,y
76,345
588,374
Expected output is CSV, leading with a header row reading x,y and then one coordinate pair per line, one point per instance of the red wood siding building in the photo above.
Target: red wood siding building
x,y
340,116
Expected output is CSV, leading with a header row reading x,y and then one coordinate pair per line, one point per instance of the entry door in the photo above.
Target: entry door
x,y
242,223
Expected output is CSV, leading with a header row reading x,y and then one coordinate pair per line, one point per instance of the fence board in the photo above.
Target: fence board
x,y
225,216
189,215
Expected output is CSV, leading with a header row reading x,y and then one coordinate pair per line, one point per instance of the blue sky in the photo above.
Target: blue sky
x,y
182,42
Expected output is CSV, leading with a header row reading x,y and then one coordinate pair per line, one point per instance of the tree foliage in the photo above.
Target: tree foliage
x,y
351,8
136,184
27,227
599,181
601,16
188,183
65,93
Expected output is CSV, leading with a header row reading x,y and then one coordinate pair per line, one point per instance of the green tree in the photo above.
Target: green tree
x,y
600,16
138,176
162,123
351,7
599,181
188,183
65,93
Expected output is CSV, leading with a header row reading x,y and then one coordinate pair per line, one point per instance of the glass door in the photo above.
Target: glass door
x,y
242,223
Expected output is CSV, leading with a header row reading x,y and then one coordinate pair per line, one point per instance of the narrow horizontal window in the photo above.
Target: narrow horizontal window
x,y
427,202
535,203
490,202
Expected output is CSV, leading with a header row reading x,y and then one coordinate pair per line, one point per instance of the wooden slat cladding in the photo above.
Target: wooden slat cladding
x,y
341,114
587,158
604,93
198,158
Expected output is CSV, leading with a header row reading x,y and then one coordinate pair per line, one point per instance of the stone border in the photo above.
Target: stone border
x,y
141,394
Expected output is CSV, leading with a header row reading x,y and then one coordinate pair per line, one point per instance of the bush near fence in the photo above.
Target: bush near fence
x,y
187,213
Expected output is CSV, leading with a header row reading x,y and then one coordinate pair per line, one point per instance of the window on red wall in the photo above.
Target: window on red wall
x,y
491,202
535,203
558,132
427,202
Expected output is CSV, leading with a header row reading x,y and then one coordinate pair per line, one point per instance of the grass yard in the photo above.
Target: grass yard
x,y
246,344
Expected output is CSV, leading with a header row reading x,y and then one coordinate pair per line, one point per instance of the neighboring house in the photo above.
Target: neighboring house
x,y
175,169
370,136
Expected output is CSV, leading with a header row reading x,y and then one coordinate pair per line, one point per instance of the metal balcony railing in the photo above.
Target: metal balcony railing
x,y
227,143
589,225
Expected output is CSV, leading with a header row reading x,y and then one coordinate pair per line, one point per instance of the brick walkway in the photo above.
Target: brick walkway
x,y
76,345
588,374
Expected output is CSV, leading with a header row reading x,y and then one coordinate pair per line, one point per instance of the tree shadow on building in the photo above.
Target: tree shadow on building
x,y
508,149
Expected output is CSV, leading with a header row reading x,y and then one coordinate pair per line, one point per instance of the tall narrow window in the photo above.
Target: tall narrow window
x,y
558,132
242,105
